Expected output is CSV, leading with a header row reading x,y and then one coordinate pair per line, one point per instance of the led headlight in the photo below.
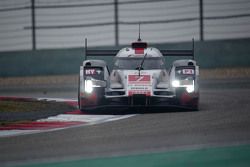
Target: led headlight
x,y
88,86
190,88
175,83
188,84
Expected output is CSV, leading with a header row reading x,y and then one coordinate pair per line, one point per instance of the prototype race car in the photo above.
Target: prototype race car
x,y
139,78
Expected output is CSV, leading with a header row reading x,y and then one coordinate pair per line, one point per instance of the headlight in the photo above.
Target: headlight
x,y
175,83
188,84
190,88
88,86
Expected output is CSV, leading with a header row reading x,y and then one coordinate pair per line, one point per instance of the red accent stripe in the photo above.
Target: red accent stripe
x,y
137,78
139,50
187,97
72,103
75,112
39,125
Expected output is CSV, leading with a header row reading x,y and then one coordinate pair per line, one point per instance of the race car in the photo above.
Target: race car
x,y
139,79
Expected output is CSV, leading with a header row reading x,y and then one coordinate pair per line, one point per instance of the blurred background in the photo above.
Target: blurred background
x,y
44,24
46,37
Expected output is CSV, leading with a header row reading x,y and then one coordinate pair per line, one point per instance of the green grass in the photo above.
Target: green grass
x,y
32,105
11,110
20,106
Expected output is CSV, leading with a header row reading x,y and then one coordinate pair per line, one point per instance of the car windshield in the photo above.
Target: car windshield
x,y
131,63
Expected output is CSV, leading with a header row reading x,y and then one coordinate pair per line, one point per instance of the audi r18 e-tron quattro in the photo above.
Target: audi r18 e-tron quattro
x,y
139,78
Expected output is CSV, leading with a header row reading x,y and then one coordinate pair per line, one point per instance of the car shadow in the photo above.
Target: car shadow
x,y
139,110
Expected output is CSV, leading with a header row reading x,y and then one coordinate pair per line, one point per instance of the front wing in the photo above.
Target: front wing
x,y
142,102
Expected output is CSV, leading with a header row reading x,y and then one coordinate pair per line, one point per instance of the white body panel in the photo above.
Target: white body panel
x,y
153,83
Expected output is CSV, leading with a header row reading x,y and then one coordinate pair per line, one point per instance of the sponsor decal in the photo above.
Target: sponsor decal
x,y
90,71
136,79
188,71
139,84
95,73
98,71
141,92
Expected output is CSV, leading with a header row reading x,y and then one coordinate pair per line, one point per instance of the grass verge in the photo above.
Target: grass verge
x,y
16,111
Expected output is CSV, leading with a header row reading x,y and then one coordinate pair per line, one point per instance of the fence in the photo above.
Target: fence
x,y
40,24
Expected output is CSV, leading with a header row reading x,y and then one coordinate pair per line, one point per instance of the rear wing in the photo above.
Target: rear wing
x,y
113,52
189,53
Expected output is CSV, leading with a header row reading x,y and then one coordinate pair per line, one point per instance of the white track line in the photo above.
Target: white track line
x,y
57,99
85,119
7,133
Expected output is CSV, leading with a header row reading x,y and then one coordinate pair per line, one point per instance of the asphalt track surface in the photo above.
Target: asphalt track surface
x,y
223,120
